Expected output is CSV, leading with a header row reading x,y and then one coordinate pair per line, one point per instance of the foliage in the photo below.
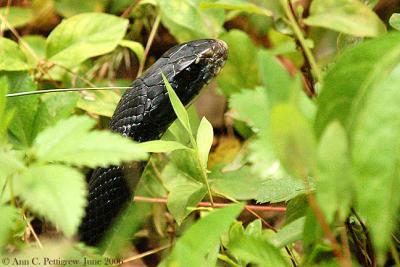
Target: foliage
x,y
311,124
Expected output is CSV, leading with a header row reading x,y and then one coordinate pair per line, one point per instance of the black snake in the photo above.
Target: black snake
x,y
144,113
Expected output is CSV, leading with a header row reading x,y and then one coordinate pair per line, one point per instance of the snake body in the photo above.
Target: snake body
x,y
144,113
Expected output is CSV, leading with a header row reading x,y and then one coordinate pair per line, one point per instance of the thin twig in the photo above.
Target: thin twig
x,y
346,248
149,42
299,35
59,90
208,204
33,232
145,254
128,11
325,228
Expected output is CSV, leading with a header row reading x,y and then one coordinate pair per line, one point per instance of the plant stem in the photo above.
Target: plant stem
x,y
145,254
149,42
59,90
208,204
300,37
228,260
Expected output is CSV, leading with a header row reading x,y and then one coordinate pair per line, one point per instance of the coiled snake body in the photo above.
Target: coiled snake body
x,y
144,113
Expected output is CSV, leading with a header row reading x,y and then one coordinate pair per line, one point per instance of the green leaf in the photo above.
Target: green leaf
x,y
178,107
251,106
182,196
99,102
376,162
11,57
200,238
23,122
347,16
84,36
240,70
16,16
5,116
52,108
10,163
204,141
37,45
257,250
296,208
186,21
289,233
334,186
349,80
70,141
275,78
280,189
68,8
9,214
184,192
161,146
394,21
56,192
240,184
261,154
135,47
237,5
293,140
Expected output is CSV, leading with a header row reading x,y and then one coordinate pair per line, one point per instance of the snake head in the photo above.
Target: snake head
x,y
193,65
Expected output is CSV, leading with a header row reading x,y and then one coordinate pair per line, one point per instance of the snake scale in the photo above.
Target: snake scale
x,y
144,113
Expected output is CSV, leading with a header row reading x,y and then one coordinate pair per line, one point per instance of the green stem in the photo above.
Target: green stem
x,y
203,174
26,93
300,37
227,260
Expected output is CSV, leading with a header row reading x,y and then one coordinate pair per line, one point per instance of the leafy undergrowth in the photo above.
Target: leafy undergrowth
x,y
311,128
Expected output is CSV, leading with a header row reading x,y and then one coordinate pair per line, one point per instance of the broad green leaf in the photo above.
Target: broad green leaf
x,y
183,196
237,5
293,140
275,78
99,102
394,21
334,185
296,208
349,80
178,107
257,250
161,146
5,115
10,163
84,36
23,122
9,215
135,47
205,135
240,184
289,233
36,50
68,8
200,238
52,108
261,154
184,192
376,157
11,57
186,21
347,16
70,141
251,106
240,70
55,192
280,189
16,16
